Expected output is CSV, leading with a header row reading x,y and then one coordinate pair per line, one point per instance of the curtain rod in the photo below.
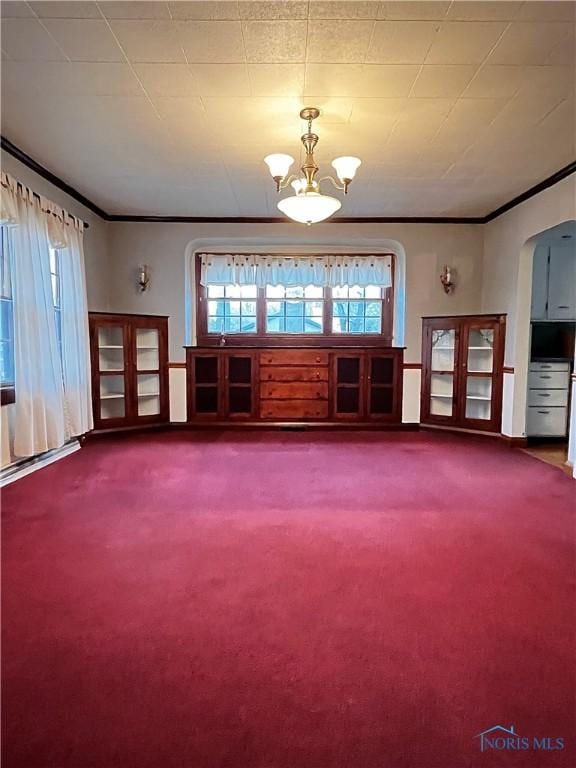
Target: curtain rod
x,y
37,196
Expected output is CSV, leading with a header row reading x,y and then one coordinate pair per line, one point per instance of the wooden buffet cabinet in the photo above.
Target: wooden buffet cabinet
x,y
284,385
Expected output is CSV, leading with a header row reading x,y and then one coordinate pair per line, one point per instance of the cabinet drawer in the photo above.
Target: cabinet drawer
x,y
294,390
292,373
546,422
549,366
294,357
548,379
294,409
548,397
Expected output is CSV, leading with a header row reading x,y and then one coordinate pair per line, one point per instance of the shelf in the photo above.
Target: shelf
x,y
488,374
110,346
487,349
478,397
149,394
110,397
147,347
445,397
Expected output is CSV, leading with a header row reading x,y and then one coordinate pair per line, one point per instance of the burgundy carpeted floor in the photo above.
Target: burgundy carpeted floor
x,y
287,600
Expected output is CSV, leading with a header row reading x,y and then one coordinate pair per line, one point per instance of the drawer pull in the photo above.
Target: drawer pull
x,y
318,359
543,411
562,306
544,376
543,394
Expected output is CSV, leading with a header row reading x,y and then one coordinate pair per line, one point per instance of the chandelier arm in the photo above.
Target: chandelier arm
x,y
281,185
341,187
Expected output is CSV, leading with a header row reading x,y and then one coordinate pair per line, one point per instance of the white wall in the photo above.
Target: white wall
x,y
509,243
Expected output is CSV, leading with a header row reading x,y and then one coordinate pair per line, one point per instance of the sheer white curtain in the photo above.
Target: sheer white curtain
x,y
263,269
52,390
39,416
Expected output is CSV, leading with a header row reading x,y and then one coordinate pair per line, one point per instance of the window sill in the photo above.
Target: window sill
x,y
294,340
7,395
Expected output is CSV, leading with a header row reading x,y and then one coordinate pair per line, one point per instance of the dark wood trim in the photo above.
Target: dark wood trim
x,y
35,166
177,365
535,190
7,395
508,369
514,442
297,426
124,314
412,366
263,339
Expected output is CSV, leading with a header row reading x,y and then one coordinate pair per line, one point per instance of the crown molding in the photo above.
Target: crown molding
x,y
28,161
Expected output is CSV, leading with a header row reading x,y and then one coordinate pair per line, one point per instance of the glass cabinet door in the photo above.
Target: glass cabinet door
x,y
206,385
147,352
239,374
111,354
479,369
442,372
348,389
380,386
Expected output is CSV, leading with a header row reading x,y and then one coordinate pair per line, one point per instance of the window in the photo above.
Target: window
x,y
56,292
294,309
6,322
277,312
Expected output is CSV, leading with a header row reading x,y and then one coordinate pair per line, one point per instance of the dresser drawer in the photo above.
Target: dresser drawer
x,y
293,373
294,357
548,379
293,409
549,367
548,397
294,390
546,422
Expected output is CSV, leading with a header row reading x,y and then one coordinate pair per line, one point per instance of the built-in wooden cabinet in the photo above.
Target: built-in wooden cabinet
x,y
129,357
290,384
554,283
462,360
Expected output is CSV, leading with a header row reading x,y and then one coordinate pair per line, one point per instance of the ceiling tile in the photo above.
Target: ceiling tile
x,y
442,80
563,53
170,80
360,80
15,9
27,40
338,41
211,41
468,119
548,11
208,11
463,42
496,82
469,10
148,41
221,79
118,9
401,42
342,9
277,79
85,39
65,10
275,41
529,43
413,11
100,79
273,9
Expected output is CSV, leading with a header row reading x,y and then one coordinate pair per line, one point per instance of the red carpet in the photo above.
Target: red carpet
x,y
287,600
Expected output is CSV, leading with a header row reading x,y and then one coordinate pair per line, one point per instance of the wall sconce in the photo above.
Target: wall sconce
x,y
143,278
446,278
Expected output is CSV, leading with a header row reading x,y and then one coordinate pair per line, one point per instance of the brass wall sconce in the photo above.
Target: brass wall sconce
x,y
143,278
447,279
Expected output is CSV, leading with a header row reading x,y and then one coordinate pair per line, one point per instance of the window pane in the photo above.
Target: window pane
x,y
314,292
274,324
372,325
232,291
248,324
215,291
231,324
275,291
55,291
294,325
249,308
6,331
373,292
215,324
294,292
339,325
233,308
248,291
53,261
6,362
373,309
313,309
294,308
356,325
313,325
356,309
356,292
273,308
340,292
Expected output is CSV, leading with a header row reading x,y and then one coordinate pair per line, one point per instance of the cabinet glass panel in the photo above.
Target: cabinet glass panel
x,y
348,370
240,370
111,348
148,393
479,397
441,394
381,400
443,343
240,400
147,349
206,370
382,370
347,399
480,350
112,397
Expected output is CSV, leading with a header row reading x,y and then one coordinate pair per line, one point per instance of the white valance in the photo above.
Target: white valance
x,y
56,218
267,269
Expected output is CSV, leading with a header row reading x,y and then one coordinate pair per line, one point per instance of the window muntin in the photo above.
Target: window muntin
x,y
294,309
231,308
6,314
357,309
56,283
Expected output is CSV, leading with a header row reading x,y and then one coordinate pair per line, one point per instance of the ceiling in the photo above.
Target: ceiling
x,y
167,108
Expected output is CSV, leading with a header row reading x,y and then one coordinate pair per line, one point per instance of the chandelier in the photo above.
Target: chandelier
x,y
308,205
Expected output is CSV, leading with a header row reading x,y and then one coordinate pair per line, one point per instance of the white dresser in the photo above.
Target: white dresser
x,y
548,396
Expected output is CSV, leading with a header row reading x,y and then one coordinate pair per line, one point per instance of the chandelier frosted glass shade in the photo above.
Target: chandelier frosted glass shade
x,y
346,167
279,164
309,207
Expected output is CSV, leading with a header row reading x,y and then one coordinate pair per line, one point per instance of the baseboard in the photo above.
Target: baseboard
x,y
296,425
25,467
514,442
